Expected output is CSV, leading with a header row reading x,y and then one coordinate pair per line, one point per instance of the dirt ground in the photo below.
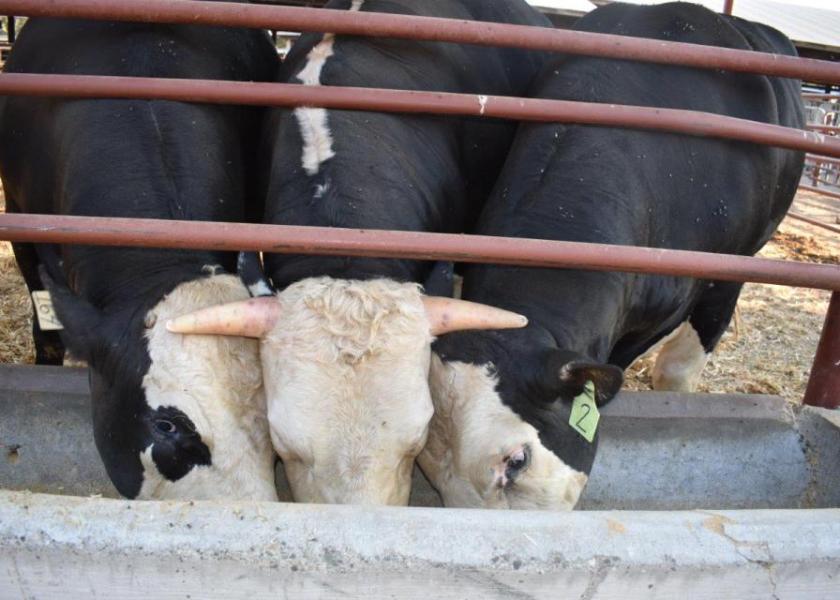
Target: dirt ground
x,y
768,348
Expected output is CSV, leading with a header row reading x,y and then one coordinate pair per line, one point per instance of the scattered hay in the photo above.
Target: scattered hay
x,y
802,248
769,346
15,308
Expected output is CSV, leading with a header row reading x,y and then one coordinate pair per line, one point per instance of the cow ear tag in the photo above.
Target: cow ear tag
x,y
585,416
47,318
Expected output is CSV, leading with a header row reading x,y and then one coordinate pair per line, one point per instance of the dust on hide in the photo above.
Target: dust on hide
x,y
502,399
173,417
346,376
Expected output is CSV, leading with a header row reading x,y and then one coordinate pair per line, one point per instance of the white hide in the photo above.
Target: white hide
x,y
346,377
680,362
217,382
314,122
471,434
260,288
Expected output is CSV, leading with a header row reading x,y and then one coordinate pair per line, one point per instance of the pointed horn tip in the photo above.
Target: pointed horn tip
x,y
175,325
512,320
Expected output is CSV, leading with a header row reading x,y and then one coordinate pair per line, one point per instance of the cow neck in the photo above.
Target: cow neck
x,y
143,282
284,270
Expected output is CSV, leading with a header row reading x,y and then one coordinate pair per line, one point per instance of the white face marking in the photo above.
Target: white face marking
x,y
217,382
681,361
471,437
314,122
346,375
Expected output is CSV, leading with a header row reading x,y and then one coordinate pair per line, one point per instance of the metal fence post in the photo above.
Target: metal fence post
x,y
824,384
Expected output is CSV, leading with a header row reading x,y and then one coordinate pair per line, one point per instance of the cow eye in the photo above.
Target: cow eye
x,y
518,461
164,426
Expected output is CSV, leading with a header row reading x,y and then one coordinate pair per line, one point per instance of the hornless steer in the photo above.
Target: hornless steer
x,y
173,416
501,435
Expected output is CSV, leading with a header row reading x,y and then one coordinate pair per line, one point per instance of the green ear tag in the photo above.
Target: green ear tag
x,y
585,416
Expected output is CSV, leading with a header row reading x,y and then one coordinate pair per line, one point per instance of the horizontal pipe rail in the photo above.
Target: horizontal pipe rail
x,y
809,96
814,174
819,190
832,129
429,28
823,181
809,220
821,159
374,99
148,233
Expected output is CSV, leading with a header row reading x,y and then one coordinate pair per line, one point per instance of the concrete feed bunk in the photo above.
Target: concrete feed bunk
x,y
672,506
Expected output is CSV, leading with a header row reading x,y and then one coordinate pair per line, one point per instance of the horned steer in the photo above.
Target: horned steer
x,y
346,359
501,435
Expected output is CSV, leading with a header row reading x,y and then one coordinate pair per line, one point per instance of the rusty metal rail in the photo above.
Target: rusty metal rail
x,y
429,28
819,190
153,233
814,222
826,182
373,99
832,129
813,173
820,160
825,378
817,180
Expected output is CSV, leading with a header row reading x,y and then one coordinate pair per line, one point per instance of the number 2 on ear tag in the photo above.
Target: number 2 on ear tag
x,y
585,416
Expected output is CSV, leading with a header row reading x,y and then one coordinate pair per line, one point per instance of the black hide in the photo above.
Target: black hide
x,y
128,158
628,187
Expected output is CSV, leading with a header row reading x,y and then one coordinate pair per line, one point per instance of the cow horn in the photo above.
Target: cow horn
x,y
447,315
249,318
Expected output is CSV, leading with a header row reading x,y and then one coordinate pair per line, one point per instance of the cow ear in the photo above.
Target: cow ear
x,y
566,374
81,320
251,273
441,280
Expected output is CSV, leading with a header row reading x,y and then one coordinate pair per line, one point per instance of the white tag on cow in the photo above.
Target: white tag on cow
x,y
47,318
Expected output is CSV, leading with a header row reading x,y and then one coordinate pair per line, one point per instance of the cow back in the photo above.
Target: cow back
x,y
132,158
392,171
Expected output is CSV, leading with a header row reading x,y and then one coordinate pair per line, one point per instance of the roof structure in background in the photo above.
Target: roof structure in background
x,y
807,26
817,28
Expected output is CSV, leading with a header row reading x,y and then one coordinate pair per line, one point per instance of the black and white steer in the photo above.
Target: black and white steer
x,y
501,435
174,416
346,343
